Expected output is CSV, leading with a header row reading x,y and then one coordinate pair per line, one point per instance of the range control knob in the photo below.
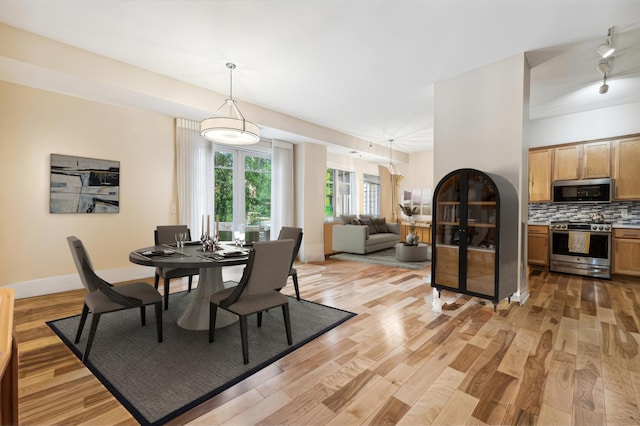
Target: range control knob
x,y
607,228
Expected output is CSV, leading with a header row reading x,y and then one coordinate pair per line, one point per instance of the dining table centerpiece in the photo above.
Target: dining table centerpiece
x,y
412,237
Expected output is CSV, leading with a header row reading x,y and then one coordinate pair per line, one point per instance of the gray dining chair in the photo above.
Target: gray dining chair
x,y
295,234
102,297
165,234
266,272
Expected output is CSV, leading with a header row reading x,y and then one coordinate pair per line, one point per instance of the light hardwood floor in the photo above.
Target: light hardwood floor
x,y
569,356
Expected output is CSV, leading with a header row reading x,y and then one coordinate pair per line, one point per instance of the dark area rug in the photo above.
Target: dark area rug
x,y
383,257
157,382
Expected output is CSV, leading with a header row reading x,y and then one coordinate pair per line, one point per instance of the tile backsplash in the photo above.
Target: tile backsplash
x,y
579,212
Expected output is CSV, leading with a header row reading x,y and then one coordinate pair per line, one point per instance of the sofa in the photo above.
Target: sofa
x,y
364,234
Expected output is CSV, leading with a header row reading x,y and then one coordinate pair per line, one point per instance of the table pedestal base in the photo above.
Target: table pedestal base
x,y
196,315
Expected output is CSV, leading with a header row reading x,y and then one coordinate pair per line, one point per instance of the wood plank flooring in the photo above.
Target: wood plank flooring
x,y
569,357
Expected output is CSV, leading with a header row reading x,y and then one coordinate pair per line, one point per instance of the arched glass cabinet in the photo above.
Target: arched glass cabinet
x,y
475,235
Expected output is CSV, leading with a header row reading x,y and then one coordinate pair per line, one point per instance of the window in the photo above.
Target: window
x,y
339,193
371,195
243,193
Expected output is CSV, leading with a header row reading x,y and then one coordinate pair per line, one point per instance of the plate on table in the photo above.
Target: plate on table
x,y
152,253
235,253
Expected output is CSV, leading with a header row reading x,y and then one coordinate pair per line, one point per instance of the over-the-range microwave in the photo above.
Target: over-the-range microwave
x,y
583,191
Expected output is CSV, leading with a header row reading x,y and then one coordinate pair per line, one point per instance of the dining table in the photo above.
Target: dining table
x,y
210,263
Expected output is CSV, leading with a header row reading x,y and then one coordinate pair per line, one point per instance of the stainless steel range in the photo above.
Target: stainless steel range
x,y
582,248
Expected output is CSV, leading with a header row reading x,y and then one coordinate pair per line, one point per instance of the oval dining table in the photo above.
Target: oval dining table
x,y
196,314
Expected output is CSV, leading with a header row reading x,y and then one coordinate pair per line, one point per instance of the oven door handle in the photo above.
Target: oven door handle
x,y
590,232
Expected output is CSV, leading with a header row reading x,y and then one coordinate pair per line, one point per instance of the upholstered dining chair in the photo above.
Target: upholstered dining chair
x,y
295,234
165,234
266,272
103,297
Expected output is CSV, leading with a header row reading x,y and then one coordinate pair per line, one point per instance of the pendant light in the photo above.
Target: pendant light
x,y
232,129
390,166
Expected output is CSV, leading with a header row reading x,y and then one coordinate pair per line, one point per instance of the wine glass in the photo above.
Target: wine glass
x,y
180,237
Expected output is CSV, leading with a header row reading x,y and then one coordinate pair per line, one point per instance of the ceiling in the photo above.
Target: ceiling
x,y
366,68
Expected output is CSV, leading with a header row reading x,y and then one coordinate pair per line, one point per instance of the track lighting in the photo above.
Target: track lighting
x,y
605,87
603,67
606,49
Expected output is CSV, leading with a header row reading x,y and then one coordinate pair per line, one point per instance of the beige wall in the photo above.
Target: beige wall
x,y
35,124
492,103
311,167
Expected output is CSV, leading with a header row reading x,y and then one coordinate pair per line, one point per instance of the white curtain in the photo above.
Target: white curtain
x,y
281,186
195,176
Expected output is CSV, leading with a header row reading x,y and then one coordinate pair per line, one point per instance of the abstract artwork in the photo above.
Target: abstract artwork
x,y
84,185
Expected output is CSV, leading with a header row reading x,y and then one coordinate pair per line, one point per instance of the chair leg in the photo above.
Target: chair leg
x,y
156,280
190,282
213,310
92,333
245,338
260,319
166,294
143,315
83,318
287,322
158,307
295,285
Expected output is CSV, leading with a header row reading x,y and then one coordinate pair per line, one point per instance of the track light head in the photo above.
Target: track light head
x,y
603,67
606,49
604,88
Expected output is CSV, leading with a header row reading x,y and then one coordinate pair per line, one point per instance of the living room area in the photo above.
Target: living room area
x,y
559,349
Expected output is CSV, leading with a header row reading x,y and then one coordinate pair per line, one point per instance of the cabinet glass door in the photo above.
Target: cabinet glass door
x,y
479,229
447,232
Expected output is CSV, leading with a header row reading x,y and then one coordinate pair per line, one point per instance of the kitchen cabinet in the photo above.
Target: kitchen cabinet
x,y
566,164
475,235
596,160
538,245
540,163
423,230
626,251
582,161
328,237
626,169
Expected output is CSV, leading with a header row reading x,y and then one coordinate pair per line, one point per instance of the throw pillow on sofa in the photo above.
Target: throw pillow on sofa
x,y
347,218
380,224
369,223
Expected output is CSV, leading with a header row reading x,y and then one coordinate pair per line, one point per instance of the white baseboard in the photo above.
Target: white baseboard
x,y
59,283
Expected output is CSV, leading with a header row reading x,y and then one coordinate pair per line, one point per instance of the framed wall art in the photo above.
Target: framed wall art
x,y
419,198
84,185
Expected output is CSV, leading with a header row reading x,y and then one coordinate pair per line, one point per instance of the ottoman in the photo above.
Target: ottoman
x,y
417,253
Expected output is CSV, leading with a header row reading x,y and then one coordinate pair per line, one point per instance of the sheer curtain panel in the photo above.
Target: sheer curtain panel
x,y
281,186
195,176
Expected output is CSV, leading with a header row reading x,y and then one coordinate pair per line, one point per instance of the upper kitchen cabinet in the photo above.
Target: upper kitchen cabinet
x,y
540,162
582,161
626,169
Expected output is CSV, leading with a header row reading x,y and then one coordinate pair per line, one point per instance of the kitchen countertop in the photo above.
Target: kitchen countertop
x,y
613,225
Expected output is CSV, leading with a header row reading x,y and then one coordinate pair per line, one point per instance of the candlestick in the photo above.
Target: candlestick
x,y
208,229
